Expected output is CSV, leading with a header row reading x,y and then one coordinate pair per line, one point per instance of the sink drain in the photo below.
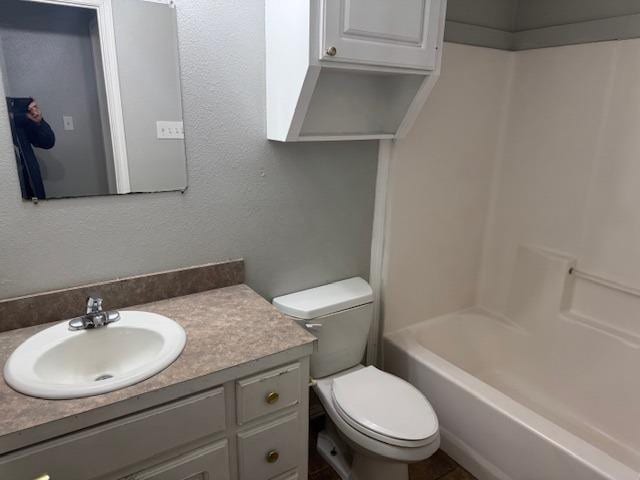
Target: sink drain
x,y
106,376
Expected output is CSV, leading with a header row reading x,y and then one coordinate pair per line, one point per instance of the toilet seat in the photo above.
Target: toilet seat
x,y
384,407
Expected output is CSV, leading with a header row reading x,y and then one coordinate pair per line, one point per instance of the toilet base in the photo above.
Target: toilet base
x,y
352,465
333,450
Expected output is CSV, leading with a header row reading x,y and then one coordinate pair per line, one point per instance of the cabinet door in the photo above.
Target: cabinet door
x,y
206,463
393,33
107,448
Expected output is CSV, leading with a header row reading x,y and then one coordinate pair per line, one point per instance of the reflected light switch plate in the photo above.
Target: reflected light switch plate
x,y
68,123
170,130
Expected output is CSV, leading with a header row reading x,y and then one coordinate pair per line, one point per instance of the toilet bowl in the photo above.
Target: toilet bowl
x,y
377,422
386,422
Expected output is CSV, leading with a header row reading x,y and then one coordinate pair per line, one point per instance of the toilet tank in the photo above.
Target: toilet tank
x,y
339,315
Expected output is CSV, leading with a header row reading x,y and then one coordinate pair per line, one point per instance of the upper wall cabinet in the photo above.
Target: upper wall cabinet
x,y
381,32
350,69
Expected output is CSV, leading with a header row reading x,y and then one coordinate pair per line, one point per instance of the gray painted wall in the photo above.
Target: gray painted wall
x,y
300,214
495,14
550,23
484,23
529,24
48,56
534,14
146,42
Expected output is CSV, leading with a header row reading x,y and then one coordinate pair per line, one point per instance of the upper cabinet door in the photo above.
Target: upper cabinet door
x,y
390,33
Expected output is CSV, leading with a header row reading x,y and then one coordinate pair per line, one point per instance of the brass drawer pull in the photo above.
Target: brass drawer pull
x,y
273,456
272,398
43,477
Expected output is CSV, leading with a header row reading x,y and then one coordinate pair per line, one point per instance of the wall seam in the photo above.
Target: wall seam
x,y
496,181
598,150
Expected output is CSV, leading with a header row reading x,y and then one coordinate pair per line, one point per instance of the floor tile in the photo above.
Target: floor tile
x,y
326,474
433,468
458,474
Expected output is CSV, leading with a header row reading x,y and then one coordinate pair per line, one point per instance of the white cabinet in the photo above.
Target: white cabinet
x,y
350,69
267,393
207,463
90,453
268,450
251,428
398,33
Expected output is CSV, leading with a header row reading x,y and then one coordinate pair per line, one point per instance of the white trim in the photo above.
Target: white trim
x,y
112,83
385,153
336,138
427,86
114,102
3,71
418,103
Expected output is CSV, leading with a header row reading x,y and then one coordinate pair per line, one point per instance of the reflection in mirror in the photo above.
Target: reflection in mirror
x,y
80,125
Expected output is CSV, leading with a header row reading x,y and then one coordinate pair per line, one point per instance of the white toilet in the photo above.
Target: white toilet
x,y
379,423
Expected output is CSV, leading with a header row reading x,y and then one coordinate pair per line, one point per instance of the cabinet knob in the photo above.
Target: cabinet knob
x,y
273,456
272,398
43,477
332,51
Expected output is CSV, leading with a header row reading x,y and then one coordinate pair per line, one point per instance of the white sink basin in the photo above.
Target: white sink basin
x,y
58,363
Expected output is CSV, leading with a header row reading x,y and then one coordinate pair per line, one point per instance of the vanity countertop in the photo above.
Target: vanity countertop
x,y
226,328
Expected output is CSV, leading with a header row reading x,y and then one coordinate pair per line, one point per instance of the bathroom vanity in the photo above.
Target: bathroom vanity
x,y
234,405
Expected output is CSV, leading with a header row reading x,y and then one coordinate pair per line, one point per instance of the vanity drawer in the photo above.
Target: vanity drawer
x,y
268,392
271,449
116,445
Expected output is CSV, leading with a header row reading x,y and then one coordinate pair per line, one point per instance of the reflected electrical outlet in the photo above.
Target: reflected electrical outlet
x,y
68,123
170,130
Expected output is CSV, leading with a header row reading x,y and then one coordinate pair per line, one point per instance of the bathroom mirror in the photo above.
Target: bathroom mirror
x,y
93,96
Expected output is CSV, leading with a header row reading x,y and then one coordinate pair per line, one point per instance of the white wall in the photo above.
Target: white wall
x,y
440,183
570,175
563,175
300,215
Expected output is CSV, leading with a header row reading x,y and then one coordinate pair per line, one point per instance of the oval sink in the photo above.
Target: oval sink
x,y
57,363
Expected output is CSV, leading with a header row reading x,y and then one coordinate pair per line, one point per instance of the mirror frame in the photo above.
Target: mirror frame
x,y
112,83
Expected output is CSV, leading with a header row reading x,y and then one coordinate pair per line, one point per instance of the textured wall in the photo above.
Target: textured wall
x,y
301,215
440,183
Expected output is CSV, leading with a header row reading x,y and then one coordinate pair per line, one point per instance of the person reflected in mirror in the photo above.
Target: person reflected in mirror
x,y
29,130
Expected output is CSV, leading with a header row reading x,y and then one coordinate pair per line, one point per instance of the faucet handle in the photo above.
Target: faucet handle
x,y
94,305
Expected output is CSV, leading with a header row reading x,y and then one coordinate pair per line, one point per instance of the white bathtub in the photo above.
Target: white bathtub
x,y
552,399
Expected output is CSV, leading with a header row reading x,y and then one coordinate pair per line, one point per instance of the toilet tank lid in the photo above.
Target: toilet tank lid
x,y
325,300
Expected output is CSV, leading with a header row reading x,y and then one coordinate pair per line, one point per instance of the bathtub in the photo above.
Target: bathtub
x,y
535,398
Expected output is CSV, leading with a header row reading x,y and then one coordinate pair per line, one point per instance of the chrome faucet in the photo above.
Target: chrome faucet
x,y
95,316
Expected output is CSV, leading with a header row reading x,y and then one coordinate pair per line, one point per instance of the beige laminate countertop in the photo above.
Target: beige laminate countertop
x,y
225,328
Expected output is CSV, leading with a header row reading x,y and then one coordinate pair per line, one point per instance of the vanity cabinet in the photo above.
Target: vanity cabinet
x,y
267,450
250,428
206,463
381,32
267,393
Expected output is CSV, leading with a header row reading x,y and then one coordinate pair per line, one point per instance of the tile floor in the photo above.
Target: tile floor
x,y
439,467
